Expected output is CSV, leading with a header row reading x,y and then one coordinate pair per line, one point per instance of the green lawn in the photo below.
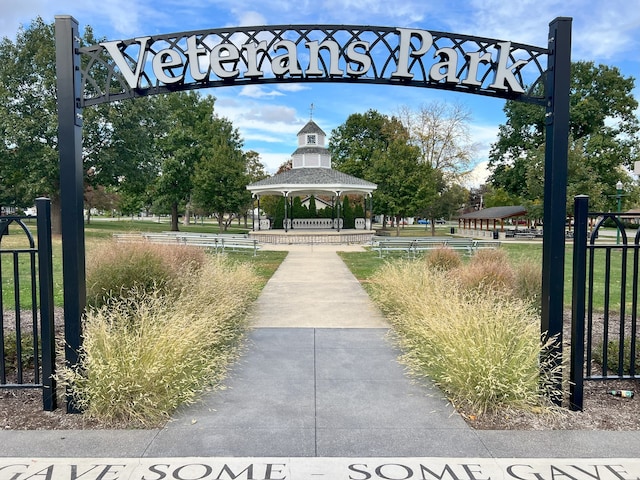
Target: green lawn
x,y
364,264
266,262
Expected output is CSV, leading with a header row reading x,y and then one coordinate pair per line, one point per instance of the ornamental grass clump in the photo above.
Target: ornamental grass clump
x,y
117,269
487,269
443,258
148,353
480,346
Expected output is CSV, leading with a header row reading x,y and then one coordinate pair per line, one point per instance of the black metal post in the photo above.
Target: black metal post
x,y
576,373
71,184
45,278
555,186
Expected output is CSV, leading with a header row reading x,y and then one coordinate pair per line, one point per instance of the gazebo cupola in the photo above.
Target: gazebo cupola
x,y
311,151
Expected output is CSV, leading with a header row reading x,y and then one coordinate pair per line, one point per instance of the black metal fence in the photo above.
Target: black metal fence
x,y
27,339
603,341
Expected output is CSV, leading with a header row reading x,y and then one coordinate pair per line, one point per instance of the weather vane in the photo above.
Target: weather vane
x,y
311,112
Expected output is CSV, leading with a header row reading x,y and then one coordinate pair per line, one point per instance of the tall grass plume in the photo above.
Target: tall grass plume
x,y
118,269
147,353
481,346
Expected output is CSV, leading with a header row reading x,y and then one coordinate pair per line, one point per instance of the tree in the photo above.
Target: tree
x,y
99,198
402,179
347,213
119,138
255,172
441,131
188,139
604,137
377,148
220,177
127,148
355,144
28,116
313,210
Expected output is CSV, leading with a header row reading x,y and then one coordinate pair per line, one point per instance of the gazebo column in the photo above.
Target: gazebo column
x,y
286,229
291,210
333,211
253,213
369,227
254,225
338,215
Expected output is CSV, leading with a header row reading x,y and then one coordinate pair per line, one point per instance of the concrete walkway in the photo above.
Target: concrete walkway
x,y
320,380
313,288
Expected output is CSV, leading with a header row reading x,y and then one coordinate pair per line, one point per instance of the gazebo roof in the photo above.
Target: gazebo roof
x,y
311,127
493,213
310,180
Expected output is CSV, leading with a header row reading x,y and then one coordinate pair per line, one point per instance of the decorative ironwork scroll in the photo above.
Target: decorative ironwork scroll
x,y
116,70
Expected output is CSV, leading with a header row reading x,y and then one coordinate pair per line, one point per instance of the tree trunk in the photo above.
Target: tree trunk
x,y
56,216
397,225
174,218
187,216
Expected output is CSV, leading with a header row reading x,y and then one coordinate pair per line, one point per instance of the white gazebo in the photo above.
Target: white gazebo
x,y
311,174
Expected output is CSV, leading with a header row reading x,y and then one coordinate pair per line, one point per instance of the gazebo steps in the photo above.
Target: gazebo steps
x,y
301,237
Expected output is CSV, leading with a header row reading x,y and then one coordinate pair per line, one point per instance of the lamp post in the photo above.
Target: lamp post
x,y
619,198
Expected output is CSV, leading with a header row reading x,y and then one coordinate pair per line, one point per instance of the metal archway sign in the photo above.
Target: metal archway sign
x,y
147,65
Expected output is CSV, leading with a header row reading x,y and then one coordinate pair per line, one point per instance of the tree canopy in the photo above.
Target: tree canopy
x,y
137,154
377,148
604,141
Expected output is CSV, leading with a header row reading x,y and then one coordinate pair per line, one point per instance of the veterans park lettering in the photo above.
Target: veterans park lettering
x,y
228,61
147,65
320,468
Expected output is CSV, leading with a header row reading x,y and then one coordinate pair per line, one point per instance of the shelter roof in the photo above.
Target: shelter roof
x,y
496,213
310,180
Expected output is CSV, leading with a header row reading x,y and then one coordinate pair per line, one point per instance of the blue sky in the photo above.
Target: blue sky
x,y
269,116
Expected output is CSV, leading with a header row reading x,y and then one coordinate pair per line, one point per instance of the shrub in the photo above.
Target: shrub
x,y
481,347
443,259
528,283
613,356
487,270
146,354
11,351
117,269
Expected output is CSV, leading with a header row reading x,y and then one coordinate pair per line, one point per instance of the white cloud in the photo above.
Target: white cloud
x,y
599,29
251,18
292,87
272,161
478,175
15,14
257,91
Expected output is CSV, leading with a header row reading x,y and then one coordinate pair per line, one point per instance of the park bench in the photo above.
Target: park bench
x,y
220,242
386,245
464,245
240,244
425,244
206,241
486,244
128,237
160,238
413,246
